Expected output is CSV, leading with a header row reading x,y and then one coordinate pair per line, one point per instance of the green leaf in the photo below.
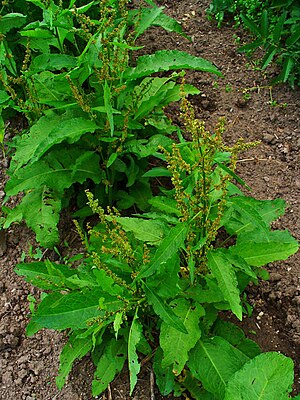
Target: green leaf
x,y
163,310
37,33
169,24
73,310
252,26
264,23
258,251
176,345
166,60
145,230
135,335
294,37
165,378
146,18
224,273
74,349
268,57
278,30
110,363
267,376
251,46
40,209
157,171
213,362
56,172
194,387
48,131
288,65
165,204
39,274
236,337
11,21
168,247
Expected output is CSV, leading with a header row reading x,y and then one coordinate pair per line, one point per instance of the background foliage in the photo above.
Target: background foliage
x,y
275,26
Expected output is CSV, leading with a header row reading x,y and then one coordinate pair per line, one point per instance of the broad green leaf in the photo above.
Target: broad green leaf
x,y
37,33
146,18
165,204
166,283
74,349
73,310
166,60
223,271
40,209
11,21
164,377
294,37
39,275
145,230
52,62
169,24
110,363
265,377
135,335
210,293
195,388
236,337
48,131
163,310
168,247
257,251
176,345
56,172
157,171
118,323
213,362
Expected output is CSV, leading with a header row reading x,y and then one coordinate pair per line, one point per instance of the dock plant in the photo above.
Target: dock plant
x,y
151,286
94,107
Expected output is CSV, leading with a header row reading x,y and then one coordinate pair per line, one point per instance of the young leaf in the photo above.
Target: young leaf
x,y
135,335
166,60
163,310
168,247
110,363
176,345
267,376
146,19
252,26
224,273
213,362
73,350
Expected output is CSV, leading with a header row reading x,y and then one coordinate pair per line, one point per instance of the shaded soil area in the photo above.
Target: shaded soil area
x,y
253,111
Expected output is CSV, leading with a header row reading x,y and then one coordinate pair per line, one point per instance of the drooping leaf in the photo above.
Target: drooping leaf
x,y
224,273
168,247
176,345
135,335
163,310
109,364
169,24
213,362
166,60
146,19
73,350
11,21
267,376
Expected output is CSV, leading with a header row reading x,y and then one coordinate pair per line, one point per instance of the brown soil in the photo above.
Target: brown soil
x,y
29,365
